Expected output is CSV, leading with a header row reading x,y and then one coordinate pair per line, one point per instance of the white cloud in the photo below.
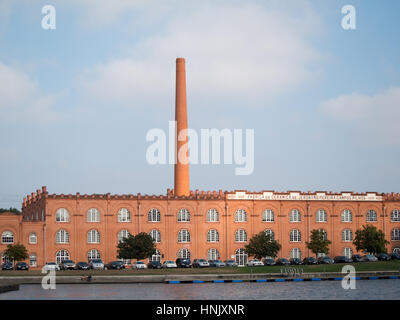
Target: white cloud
x,y
378,115
232,51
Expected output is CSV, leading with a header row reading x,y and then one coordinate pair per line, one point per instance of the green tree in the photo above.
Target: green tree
x,y
370,240
262,245
16,252
13,210
318,242
137,247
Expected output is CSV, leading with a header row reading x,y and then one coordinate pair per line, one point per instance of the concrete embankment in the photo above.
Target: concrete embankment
x,y
199,278
9,287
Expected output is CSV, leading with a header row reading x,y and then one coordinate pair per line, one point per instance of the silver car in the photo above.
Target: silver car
x,y
200,263
216,263
230,263
96,264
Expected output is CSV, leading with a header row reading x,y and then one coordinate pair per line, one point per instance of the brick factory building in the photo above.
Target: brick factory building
x,y
193,224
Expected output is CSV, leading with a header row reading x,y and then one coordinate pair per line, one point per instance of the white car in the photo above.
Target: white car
x,y
254,263
139,265
169,264
51,266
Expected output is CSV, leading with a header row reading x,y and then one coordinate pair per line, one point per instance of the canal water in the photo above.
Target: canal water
x,y
325,290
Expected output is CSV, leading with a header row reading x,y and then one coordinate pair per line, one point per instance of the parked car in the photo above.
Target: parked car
x,y
370,258
81,265
21,266
51,266
230,263
383,257
200,263
139,265
154,265
342,259
357,258
310,260
115,265
216,263
395,256
96,264
269,262
254,263
325,260
67,265
7,266
296,261
169,264
282,262
183,263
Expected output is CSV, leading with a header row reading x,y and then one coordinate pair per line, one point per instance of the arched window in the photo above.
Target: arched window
x,y
240,235
93,254
62,215
7,237
396,250
321,216
240,215
93,215
62,236
156,256
184,254
183,236
33,260
212,215
347,235
347,252
325,235
123,234
395,234
62,255
155,235
154,215
295,216
295,236
395,216
372,216
32,238
212,236
268,216
347,216
124,215
183,215
241,257
93,236
5,259
212,254
270,233
295,253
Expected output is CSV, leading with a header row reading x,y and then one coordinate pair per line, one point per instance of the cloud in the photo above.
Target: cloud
x,y
233,51
377,115
21,98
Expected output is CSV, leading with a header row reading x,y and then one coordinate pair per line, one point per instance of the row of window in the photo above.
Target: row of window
x,y
154,215
93,236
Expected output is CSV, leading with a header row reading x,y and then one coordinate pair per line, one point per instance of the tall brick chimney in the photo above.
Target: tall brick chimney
x,y
181,178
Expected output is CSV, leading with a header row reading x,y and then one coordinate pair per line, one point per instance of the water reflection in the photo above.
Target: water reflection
x,y
326,290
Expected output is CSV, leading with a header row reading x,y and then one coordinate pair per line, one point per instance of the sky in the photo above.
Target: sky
x,y
77,101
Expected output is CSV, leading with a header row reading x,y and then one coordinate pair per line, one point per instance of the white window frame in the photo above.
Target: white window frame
x,y
240,235
183,215
62,215
183,236
154,215
62,236
295,216
212,235
93,215
212,215
93,236
295,235
240,215
124,215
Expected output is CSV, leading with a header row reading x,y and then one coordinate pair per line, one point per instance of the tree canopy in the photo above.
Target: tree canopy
x,y
318,242
370,240
137,247
262,245
16,252
13,210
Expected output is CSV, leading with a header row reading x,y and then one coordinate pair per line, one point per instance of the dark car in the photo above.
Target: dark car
x,y
310,260
342,259
154,265
395,256
115,265
21,266
7,266
383,257
357,258
282,262
67,265
325,260
82,265
269,262
296,261
183,263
